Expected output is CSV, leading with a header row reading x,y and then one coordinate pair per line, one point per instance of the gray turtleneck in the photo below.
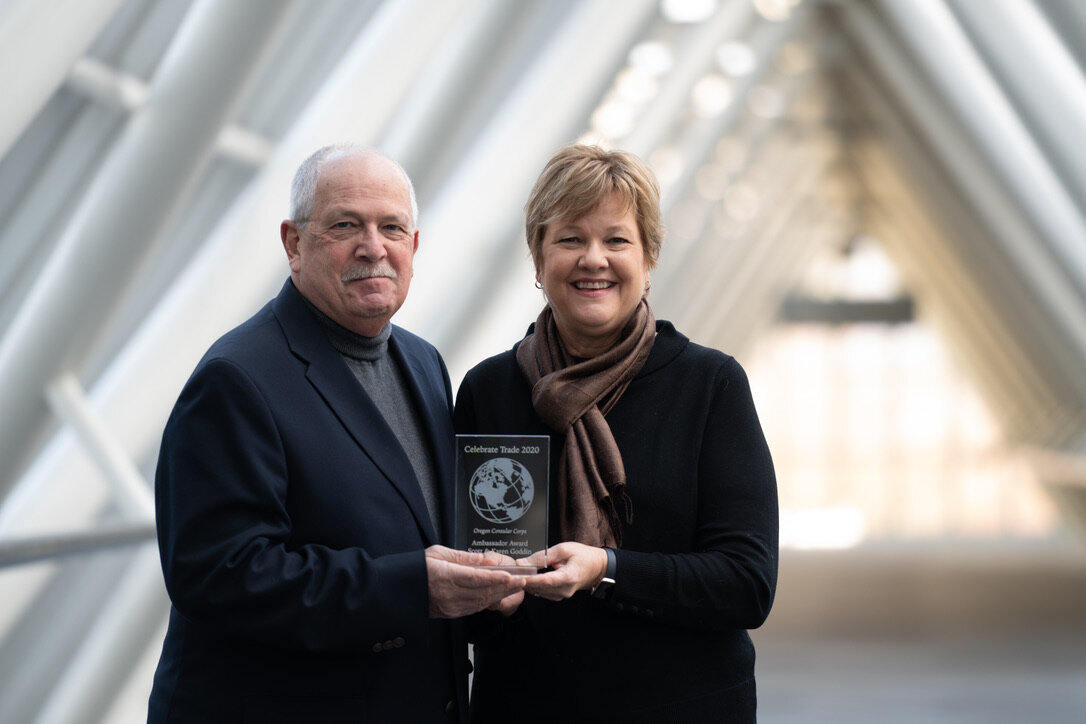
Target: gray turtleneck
x,y
383,381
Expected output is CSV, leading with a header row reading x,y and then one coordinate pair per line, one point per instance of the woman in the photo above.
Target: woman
x,y
663,519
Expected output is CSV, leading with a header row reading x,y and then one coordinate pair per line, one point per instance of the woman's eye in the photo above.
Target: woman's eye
x,y
569,240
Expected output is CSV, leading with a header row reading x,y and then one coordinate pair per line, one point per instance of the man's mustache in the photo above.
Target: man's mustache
x,y
368,271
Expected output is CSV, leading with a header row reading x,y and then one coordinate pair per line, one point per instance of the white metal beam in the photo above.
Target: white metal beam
x,y
106,85
149,174
493,182
968,89
31,549
694,59
696,145
102,661
31,69
130,491
1050,89
1055,341
38,643
485,194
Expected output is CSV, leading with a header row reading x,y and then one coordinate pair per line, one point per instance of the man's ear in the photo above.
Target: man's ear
x,y
416,246
288,232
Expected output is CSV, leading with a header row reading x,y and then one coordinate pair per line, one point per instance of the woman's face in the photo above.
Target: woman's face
x,y
594,272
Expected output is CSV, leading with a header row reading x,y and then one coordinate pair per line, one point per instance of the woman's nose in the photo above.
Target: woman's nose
x,y
594,256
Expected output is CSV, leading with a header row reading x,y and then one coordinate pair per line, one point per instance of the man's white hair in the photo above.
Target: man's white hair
x,y
304,186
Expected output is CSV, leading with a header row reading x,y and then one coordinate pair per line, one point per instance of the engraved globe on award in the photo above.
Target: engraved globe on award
x,y
501,490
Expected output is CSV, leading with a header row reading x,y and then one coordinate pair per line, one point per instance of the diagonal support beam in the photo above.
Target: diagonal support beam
x,y
150,174
42,66
130,491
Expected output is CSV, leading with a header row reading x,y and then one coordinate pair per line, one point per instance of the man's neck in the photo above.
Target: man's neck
x,y
350,343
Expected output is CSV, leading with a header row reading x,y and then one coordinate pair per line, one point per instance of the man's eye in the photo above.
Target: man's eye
x,y
342,225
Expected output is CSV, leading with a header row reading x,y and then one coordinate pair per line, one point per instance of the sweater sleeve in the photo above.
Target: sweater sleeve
x,y
728,577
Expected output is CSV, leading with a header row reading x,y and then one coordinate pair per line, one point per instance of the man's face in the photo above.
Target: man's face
x,y
353,259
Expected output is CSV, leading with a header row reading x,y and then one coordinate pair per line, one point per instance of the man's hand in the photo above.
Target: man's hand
x,y
508,605
458,587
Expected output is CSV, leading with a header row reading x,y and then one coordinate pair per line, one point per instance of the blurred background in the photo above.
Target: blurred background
x,y
877,206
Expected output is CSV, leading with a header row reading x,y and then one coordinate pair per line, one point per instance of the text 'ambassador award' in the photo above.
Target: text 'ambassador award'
x,y
502,486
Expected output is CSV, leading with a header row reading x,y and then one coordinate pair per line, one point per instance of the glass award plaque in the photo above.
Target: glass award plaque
x,y
502,485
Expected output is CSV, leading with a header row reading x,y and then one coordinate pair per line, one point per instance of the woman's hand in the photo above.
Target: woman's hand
x,y
576,567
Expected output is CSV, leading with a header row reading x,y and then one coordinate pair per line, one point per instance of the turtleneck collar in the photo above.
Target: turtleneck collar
x,y
351,344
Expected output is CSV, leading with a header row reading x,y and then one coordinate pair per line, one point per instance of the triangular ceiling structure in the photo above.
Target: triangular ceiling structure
x,y
146,151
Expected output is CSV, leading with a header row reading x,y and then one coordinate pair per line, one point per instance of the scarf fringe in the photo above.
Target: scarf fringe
x,y
619,520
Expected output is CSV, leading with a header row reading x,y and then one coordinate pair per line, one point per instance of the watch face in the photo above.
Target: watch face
x,y
603,589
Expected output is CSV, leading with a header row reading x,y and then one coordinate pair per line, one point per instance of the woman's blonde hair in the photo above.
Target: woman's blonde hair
x,y
574,182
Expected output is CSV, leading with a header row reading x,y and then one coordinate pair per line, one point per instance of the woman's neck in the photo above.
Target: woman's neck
x,y
588,347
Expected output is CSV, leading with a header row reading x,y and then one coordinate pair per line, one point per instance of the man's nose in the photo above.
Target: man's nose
x,y
371,244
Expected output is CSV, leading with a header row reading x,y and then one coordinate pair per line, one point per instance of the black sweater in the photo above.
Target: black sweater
x,y
697,568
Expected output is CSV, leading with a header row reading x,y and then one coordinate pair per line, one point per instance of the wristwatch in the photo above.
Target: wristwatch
x,y
602,590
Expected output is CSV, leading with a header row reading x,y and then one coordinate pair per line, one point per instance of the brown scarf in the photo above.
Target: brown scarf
x,y
572,397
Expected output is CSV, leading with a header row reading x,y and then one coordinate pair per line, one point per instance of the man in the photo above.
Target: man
x,y
304,486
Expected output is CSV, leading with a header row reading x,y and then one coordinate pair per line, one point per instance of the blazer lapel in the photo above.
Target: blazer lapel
x,y
432,402
335,383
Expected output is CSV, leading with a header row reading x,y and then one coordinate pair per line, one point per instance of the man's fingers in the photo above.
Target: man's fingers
x,y
451,555
459,590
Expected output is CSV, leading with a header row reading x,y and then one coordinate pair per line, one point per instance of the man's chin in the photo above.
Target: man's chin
x,y
373,314
373,304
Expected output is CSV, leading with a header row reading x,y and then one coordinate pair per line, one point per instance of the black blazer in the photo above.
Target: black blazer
x,y
291,528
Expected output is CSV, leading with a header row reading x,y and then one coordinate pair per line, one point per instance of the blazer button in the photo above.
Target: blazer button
x,y
378,648
398,642
387,646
